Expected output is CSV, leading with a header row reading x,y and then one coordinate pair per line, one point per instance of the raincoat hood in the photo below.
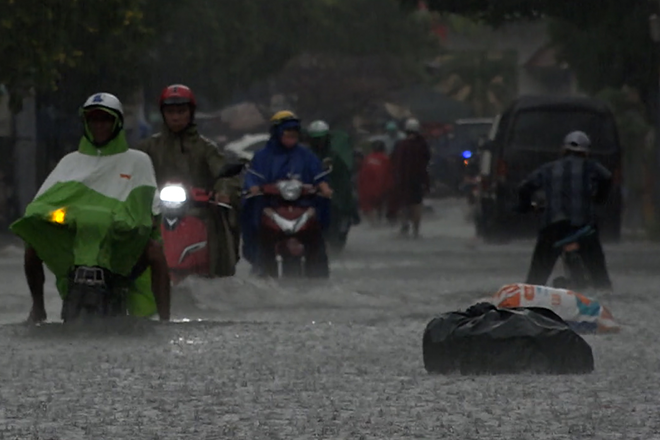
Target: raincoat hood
x,y
275,143
117,145
117,132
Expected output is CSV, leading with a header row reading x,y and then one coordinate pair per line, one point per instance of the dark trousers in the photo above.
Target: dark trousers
x,y
545,255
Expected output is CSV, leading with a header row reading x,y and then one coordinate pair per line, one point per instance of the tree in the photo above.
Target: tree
x,y
216,46
42,42
606,42
336,88
497,12
613,52
220,47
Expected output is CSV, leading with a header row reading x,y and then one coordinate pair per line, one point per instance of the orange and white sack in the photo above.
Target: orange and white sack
x,y
582,313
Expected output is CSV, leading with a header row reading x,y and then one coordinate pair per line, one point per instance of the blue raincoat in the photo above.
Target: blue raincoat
x,y
275,162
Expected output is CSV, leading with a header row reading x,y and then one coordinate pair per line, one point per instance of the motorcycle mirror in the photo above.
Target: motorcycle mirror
x,y
231,170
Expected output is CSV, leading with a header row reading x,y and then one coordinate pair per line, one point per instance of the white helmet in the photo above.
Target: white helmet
x,y
318,129
106,101
412,125
577,141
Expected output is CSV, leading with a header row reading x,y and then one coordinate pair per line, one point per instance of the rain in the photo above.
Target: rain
x,y
437,108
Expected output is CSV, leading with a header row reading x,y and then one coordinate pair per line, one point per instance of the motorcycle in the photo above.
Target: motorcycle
x,y
184,228
337,235
288,229
576,275
94,292
91,291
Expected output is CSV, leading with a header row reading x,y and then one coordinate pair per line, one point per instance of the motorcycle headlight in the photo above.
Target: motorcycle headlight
x,y
173,196
290,189
58,216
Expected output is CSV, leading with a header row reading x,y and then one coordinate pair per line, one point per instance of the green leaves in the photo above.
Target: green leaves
x,y
221,46
497,12
605,42
43,41
215,46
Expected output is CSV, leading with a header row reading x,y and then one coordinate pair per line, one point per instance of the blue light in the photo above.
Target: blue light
x,y
467,154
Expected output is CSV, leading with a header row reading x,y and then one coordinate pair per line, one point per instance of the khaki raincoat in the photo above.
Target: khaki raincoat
x,y
195,160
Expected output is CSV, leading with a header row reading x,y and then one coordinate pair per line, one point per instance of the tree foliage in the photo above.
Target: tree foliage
x,y
71,48
614,52
335,88
43,41
496,12
606,42
219,47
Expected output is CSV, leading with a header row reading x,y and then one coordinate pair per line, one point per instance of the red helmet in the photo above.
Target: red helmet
x,y
177,94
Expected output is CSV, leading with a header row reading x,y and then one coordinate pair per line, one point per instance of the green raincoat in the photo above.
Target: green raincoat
x,y
340,180
195,160
96,209
344,203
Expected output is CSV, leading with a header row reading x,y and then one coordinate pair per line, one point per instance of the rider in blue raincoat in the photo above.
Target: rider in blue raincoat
x,y
283,157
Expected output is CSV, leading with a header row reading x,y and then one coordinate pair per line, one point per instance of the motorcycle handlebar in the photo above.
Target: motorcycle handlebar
x,y
271,189
201,196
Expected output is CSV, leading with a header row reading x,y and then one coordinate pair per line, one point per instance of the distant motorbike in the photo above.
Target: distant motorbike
x,y
471,177
576,275
290,231
184,226
470,188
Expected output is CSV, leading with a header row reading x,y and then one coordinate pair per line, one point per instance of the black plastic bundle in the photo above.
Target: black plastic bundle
x,y
488,340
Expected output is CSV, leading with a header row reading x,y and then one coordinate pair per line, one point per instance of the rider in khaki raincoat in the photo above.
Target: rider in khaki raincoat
x,y
181,153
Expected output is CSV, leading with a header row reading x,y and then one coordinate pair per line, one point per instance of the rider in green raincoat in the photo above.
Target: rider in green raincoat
x,y
334,149
97,209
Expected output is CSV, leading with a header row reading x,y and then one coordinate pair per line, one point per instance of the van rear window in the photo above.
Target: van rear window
x,y
546,129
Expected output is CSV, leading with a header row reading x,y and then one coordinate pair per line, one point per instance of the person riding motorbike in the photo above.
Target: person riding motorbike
x,y
329,148
105,192
180,153
410,161
571,185
282,158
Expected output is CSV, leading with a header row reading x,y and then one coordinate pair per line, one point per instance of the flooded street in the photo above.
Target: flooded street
x,y
340,359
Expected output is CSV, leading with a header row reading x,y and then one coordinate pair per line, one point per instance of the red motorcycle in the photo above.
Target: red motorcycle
x,y
291,233
184,228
